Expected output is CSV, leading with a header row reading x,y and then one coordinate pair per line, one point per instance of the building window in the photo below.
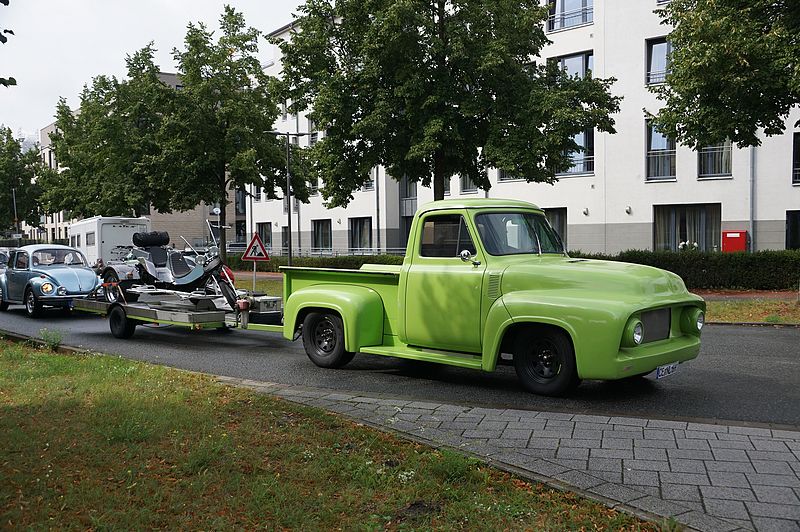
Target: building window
x,y
714,161
468,186
284,239
576,65
370,185
569,13
503,175
90,239
660,155
360,234
256,193
792,229
677,227
284,112
321,235
446,186
558,221
313,136
408,197
582,160
445,235
295,140
313,187
240,203
796,160
658,52
264,230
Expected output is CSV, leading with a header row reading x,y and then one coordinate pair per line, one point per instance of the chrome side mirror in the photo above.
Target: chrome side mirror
x,y
466,256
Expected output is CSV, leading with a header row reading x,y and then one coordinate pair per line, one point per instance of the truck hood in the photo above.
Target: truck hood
x,y
621,279
74,279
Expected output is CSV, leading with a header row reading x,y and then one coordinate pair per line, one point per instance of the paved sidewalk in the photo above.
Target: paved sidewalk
x,y
709,477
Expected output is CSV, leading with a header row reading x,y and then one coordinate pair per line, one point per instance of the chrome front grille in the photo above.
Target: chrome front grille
x,y
656,324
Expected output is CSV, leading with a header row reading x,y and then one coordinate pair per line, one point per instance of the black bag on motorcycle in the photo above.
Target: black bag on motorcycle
x,y
151,239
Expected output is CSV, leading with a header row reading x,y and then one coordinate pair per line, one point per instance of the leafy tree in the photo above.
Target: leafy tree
x,y
19,171
214,138
734,69
433,88
106,150
6,82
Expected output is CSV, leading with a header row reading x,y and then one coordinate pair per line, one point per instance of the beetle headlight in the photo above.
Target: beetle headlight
x,y
633,334
47,288
692,320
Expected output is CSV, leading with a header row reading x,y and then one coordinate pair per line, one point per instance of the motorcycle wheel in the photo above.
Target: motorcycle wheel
x,y
228,292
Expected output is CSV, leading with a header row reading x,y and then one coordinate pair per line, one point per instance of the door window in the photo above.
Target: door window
x,y
21,262
445,236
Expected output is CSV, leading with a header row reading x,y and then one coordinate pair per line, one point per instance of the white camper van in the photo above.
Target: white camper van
x,y
105,237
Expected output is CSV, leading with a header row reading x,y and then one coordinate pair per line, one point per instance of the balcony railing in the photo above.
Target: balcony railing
x,y
408,206
568,19
796,176
656,77
714,161
660,164
581,164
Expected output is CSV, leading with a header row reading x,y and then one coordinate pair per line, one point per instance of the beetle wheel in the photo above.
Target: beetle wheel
x,y
545,362
32,306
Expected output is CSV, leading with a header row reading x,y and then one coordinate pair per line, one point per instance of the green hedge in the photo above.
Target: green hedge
x,y
763,270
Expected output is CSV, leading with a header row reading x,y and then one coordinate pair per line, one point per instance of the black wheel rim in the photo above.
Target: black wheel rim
x,y
30,303
545,361
325,336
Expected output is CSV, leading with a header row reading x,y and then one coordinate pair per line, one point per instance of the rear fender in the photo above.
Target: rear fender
x,y
361,310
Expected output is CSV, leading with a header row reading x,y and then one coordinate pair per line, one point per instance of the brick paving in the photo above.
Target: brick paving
x,y
708,477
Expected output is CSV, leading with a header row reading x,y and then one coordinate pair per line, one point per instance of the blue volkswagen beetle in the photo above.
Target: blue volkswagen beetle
x,y
45,275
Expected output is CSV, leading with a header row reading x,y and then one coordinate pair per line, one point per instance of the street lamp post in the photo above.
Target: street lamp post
x,y
288,192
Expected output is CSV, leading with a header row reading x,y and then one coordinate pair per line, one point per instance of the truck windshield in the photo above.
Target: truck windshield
x,y
516,233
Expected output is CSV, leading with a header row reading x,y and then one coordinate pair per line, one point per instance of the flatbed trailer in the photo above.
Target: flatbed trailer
x,y
192,311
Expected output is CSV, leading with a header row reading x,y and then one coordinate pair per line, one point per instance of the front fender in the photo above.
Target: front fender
x,y
594,326
361,310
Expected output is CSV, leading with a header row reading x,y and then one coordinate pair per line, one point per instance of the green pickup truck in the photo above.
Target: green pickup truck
x,y
487,278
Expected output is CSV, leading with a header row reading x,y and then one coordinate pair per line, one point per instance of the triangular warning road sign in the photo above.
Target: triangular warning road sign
x,y
256,250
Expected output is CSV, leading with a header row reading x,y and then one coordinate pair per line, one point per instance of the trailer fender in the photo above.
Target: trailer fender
x,y
360,308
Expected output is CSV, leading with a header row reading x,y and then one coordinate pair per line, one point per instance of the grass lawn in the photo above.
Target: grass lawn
x,y
272,287
106,443
755,310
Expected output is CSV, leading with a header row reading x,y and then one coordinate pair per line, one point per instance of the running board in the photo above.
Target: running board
x,y
427,355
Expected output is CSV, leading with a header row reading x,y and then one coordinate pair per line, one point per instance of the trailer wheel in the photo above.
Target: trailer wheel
x,y
121,326
323,339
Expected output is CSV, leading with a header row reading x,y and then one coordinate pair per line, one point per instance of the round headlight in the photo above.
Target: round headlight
x,y
47,288
62,291
638,333
701,320
692,320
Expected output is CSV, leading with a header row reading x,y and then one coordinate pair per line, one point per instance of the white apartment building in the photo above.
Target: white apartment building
x,y
632,190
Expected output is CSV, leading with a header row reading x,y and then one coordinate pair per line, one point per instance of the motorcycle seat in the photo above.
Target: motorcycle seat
x,y
178,265
158,256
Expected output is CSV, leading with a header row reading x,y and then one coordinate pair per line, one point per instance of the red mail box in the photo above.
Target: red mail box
x,y
734,241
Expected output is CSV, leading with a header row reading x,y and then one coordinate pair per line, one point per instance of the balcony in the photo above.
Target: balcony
x,y
656,77
570,19
660,165
714,161
581,164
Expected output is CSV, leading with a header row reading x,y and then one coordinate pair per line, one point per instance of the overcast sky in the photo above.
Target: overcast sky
x,y
60,45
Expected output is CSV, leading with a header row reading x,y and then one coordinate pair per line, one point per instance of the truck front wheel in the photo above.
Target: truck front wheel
x,y
545,362
323,339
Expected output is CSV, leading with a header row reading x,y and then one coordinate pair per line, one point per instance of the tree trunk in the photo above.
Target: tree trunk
x,y
438,177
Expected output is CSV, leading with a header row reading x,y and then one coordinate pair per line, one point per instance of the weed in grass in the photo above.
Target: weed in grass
x,y
51,338
773,318
453,467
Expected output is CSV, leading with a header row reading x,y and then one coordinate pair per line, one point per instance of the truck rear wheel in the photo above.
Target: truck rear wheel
x,y
323,339
121,326
545,362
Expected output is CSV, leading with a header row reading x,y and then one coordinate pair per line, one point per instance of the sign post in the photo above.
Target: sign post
x,y
256,252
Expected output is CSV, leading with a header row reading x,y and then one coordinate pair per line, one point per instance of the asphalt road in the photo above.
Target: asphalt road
x,y
743,374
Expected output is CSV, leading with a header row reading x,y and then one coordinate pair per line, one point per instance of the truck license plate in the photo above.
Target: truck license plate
x,y
666,370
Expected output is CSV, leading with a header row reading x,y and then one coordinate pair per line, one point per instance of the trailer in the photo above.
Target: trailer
x,y
192,310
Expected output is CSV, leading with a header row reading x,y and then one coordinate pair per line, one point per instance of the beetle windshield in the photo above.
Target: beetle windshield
x,y
60,257
517,233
